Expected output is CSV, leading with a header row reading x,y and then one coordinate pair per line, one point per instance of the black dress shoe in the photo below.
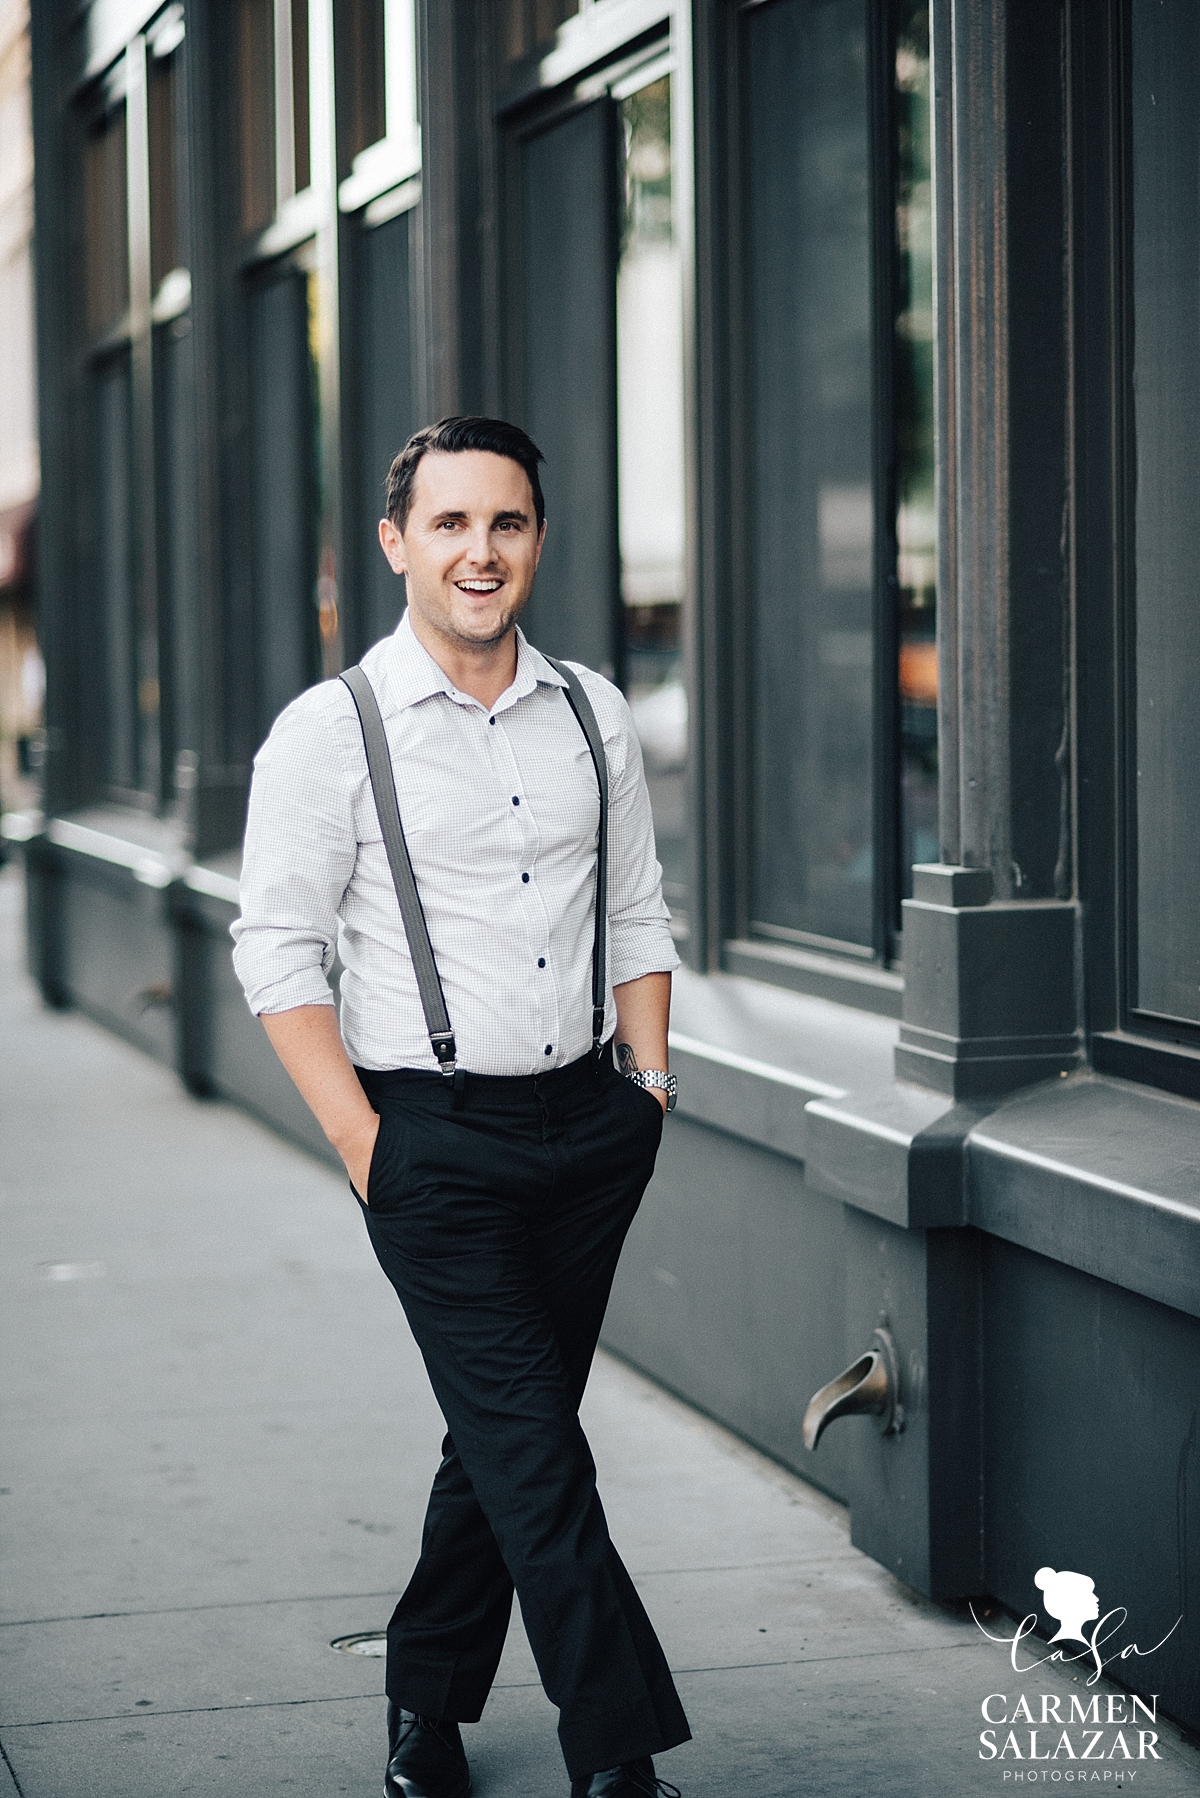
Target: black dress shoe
x,y
633,1779
426,1758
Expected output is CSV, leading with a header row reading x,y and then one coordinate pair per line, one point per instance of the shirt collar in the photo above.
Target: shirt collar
x,y
412,674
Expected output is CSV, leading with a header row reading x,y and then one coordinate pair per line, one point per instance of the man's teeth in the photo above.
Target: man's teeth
x,y
479,586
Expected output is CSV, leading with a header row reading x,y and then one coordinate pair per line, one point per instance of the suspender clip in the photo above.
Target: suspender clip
x,y
446,1050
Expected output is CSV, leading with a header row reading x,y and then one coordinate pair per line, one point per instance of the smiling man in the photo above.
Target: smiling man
x,y
498,1164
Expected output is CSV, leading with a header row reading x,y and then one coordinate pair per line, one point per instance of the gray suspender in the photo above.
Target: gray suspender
x,y
379,766
383,786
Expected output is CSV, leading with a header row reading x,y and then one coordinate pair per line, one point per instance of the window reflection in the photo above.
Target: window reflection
x,y
163,120
528,25
1166,524
106,228
810,537
256,111
360,63
916,515
650,468
273,107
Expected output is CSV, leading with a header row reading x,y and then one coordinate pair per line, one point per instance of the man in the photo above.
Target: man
x,y
497,1201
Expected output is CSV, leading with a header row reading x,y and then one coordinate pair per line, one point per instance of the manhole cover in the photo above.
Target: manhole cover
x,y
373,1642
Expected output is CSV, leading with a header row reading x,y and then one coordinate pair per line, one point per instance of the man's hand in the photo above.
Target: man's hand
x,y
309,1044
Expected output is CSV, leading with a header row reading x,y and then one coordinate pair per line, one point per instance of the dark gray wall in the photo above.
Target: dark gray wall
x,y
1091,1407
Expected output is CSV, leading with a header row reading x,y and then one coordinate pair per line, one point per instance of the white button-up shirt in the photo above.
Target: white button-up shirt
x,y
500,811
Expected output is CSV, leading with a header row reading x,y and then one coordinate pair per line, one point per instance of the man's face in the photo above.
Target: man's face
x,y
470,545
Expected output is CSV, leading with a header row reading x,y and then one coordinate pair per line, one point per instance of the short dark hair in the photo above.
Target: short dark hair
x,y
450,436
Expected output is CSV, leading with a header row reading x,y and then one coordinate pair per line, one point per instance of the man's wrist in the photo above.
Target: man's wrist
x,y
347,1141
650,1079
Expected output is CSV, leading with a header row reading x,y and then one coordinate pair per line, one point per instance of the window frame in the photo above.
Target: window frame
x,y
1123,1040
122,84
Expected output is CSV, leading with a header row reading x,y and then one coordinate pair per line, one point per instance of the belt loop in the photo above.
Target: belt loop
x,y
459,1089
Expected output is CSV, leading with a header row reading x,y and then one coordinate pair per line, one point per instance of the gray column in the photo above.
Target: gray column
x,y
989,935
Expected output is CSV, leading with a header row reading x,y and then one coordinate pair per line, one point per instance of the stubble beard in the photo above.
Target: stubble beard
x,y
441,619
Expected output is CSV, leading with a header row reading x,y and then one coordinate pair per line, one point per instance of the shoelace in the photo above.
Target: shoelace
x,y
433,1724
656,1785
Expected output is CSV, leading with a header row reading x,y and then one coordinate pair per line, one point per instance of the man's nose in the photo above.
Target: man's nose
x,y
479,544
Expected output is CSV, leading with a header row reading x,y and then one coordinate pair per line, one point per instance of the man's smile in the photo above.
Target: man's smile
x,y
490,585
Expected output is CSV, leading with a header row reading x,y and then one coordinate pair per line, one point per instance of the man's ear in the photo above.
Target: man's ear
x,y
537,554
392,544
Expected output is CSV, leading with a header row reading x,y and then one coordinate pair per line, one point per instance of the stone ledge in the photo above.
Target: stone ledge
x,y
1099,1174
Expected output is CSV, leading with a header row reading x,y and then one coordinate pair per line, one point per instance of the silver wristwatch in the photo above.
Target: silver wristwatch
x,y
663,1083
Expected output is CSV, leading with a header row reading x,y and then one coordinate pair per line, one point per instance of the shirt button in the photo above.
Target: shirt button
x,y
516,801
541,961
491,721
549,1050
525,878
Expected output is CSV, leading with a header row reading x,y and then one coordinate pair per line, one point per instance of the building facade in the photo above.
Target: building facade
x,y
22,676
860,338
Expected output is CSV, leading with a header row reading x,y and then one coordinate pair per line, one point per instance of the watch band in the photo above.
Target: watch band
x,y
663,1083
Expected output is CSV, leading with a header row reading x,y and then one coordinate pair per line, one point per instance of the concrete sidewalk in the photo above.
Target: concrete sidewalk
x,y
217,1441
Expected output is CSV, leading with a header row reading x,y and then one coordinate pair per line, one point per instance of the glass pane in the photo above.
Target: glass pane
x,y
256,112
162,103
569,385
113,543
916,512
300,130
179,532
360,64
650,472
1166,402
285,488
106,225
810,506
528,25
383,353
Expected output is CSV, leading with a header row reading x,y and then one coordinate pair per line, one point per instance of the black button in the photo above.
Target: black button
x,y
541,961
516,801
549,1048
525,878
491,721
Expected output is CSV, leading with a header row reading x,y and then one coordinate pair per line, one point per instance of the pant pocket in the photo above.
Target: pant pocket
x,y
386,1176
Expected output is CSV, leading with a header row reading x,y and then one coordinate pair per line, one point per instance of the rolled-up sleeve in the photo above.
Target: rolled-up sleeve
x,y
298,858
639,927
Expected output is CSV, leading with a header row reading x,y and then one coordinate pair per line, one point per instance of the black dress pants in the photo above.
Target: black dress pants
x,y
499,1222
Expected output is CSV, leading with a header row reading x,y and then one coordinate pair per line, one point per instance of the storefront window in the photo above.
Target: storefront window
x,y
810,499
650,467
528,25
360,62
273,106
163,103
106,224
916,512
839,478
1164,714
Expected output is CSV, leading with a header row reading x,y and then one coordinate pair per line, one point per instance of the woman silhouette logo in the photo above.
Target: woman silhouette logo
x,y
1071,1598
